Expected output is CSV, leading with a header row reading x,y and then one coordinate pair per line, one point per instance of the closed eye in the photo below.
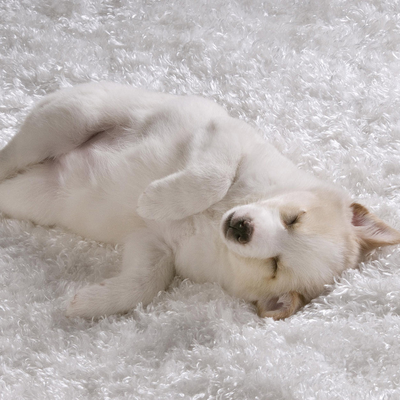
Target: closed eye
x,y
275,265
292,220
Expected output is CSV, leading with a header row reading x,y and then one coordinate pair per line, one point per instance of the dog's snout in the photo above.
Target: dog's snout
x,y
239,230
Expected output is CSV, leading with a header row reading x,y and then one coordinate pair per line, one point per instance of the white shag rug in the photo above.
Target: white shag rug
x,y
321,79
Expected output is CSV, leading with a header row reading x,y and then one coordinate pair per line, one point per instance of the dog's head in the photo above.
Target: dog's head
x,y
287,248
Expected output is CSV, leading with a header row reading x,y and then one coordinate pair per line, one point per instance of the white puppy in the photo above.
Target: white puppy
x,y
186,189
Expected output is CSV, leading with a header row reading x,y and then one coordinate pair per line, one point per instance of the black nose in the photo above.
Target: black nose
x,y
239,230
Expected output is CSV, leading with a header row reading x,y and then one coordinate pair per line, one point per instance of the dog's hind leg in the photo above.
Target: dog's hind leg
x,y
63,120
147,269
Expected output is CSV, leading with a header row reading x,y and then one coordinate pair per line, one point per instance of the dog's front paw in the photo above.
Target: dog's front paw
x,y
112,296
153,204
89,302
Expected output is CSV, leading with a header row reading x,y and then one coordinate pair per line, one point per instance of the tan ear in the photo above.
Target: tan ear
x,y
371,231
280,307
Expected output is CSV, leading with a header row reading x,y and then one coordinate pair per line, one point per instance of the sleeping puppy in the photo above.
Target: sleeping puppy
x,y
186,189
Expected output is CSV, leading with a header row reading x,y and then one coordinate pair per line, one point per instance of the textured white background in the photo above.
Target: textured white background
x,y
321,80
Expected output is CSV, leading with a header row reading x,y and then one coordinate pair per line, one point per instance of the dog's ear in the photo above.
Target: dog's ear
x,y
371,231
280,307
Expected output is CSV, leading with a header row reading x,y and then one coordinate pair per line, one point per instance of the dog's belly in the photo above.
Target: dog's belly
x,y
99,184
90,203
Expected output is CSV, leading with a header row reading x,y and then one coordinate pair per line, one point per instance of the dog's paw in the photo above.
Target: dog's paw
x,y
154,205
145,207
89,302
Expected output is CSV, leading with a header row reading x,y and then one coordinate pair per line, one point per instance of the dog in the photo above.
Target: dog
x,y
186,189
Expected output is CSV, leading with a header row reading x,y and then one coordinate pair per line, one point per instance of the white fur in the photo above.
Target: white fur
x,y
163,174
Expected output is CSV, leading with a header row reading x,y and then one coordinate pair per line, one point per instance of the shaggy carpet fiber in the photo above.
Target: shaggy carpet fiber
x,y
321,80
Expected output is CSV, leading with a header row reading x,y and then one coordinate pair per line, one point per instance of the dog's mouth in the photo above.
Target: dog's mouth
x,y
239,230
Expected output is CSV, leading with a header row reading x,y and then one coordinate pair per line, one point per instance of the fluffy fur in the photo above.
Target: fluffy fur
x,y
183,187
321,80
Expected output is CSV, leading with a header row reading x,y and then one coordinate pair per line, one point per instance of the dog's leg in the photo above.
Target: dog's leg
x,y
206,179
63,120
211,170
147,269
